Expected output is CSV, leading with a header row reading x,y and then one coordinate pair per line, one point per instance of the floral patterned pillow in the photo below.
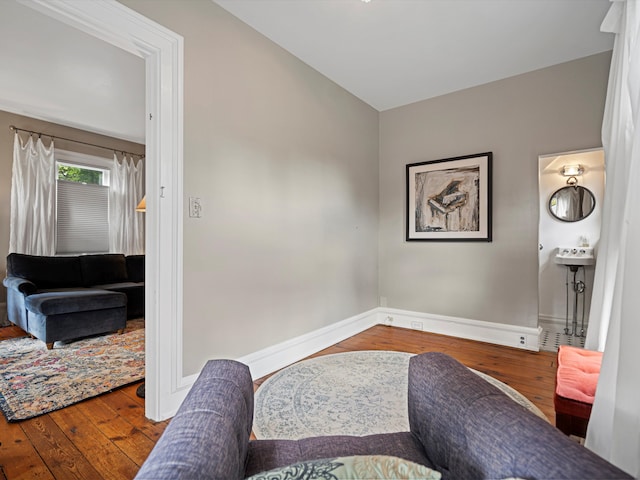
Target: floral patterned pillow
x,y
370,467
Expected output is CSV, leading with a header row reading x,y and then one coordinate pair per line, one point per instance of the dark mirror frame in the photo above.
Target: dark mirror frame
x,y
581,194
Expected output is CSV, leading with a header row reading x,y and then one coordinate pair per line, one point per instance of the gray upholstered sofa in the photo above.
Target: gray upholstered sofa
x,y
460,425
64,298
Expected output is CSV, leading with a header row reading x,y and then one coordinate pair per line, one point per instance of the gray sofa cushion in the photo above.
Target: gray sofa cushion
x,y
102,269
73,325
118,287
62,301
472,430
134,293
269,454
46,272
209,436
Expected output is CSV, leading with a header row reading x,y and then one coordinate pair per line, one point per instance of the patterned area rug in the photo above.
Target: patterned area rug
x,y
35,381
353,393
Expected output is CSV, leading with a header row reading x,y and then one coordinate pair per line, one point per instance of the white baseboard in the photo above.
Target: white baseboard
x,y
551,320
275,357
526,338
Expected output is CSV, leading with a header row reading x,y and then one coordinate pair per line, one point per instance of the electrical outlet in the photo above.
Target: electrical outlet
x,y
417,325
523,340
195,207
389,320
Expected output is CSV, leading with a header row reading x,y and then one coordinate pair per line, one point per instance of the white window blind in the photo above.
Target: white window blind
x,y
83,218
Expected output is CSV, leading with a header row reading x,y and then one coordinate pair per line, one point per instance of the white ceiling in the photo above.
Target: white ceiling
x,y
56,73
390,53
387,52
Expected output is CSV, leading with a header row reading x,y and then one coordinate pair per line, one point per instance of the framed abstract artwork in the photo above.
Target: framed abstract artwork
x,y
450,199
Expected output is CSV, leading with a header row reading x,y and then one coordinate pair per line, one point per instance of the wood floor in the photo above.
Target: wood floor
x,y
108,437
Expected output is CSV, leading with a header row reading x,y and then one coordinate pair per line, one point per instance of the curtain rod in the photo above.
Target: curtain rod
x,y
53,137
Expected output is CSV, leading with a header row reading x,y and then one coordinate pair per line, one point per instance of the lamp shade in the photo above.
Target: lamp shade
x,y
142,206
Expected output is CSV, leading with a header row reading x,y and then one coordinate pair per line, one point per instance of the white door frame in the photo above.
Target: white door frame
x,y
162,51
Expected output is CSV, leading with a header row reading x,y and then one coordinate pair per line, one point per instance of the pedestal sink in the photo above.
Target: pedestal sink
x,y
575,258
579,256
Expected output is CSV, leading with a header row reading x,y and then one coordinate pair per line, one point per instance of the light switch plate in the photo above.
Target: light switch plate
x,y
195,207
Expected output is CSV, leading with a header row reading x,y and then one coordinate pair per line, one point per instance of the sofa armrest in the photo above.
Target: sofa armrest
x,y
209,436
20,284
470,429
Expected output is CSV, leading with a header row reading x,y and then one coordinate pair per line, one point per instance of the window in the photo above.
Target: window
x,y
82,204
76,173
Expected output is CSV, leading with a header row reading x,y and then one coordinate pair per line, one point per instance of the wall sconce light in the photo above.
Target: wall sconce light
x,y
572,170
142,206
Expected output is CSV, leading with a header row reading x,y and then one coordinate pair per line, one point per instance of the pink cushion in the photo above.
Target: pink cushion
x,y
577,375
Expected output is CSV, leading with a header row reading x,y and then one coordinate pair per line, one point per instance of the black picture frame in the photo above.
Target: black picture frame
x,y
449,200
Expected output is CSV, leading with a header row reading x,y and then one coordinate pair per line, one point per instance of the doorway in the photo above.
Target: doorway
x,y
564,289
162,51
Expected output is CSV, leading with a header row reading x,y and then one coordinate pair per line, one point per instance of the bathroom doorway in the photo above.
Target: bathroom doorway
x,y
573,228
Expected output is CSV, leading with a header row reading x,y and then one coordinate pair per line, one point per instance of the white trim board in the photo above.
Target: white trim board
x,y
551,320
273,358
526,338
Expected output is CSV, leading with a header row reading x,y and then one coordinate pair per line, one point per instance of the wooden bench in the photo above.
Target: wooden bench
x,y
576,381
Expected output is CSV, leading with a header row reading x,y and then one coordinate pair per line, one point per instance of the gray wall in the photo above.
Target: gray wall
x,y
286,165
555,109
303,188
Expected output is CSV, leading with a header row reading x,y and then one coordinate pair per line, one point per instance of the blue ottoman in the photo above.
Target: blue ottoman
x,y
69,314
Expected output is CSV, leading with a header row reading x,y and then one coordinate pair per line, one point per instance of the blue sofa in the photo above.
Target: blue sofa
x,y
64,298
460,426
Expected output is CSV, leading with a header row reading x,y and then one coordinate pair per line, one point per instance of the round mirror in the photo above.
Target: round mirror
x,y
572,203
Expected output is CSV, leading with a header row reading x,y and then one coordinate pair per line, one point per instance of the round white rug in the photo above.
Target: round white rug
x,y
352,393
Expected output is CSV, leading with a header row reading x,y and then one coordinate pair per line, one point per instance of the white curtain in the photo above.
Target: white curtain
x,y
614,323
33,189
126,189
